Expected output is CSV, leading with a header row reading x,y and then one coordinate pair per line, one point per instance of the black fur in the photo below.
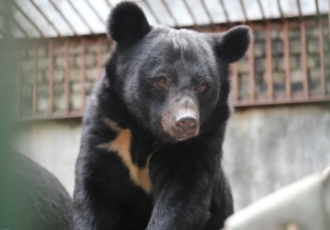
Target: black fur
x,y
31,197
190,190
237,41
127,22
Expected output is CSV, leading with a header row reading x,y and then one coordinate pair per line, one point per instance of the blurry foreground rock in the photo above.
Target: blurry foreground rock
x,y
303,205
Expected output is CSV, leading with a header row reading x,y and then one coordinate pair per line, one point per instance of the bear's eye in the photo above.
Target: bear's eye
x,y
163,80
202,87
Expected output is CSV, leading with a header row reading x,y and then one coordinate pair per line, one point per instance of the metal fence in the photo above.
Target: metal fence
x,y
288,62
297,64
56,76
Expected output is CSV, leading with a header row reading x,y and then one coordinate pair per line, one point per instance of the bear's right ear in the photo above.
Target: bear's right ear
x,y
127,22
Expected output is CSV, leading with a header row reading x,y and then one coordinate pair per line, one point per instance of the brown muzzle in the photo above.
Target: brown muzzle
x,y
181,118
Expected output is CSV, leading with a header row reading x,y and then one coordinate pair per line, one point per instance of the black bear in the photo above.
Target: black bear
x,y
31,197
151,146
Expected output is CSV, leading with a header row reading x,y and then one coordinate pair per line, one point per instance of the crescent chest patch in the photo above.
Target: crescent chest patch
x,y
121,145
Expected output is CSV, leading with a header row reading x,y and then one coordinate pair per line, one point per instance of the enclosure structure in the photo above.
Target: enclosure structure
x,y
288,63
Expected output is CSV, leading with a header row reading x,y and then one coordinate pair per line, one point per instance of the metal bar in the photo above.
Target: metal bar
x,y
207,11
168,9
66,77
218,28
299,10
235,81
76,114
243,10
286,52
304,57
242,104
51,77
28,18
269,62
281,101
95,12
190,12
317,8
108,3
99,59
83,73
321,41
280,8
224,10
80,16
261,10
46,17
251,71
151,11
63,17
35,73
16,23
286,58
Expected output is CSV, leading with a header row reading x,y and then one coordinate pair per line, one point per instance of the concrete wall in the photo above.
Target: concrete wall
x,y
265,148
54,145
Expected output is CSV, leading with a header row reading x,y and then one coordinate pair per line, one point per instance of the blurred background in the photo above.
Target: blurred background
x,y
279,131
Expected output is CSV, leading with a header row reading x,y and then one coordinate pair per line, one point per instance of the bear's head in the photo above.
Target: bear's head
x,y
172,80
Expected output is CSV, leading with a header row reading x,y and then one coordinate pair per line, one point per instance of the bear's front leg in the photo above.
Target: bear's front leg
x,y
178,209
183,188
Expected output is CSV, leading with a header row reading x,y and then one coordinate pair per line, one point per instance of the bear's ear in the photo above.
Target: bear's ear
x,y
127,22
233,44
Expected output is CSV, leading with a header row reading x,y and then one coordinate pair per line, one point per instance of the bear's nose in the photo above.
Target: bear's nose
x,y
187,124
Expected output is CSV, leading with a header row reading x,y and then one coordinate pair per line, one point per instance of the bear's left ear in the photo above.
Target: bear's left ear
x,y
233,44
127,22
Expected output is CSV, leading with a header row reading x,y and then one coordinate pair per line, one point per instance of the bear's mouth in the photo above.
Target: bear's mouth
x,y
180,135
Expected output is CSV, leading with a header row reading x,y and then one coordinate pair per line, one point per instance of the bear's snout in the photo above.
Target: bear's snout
x,y
187,123
181,119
